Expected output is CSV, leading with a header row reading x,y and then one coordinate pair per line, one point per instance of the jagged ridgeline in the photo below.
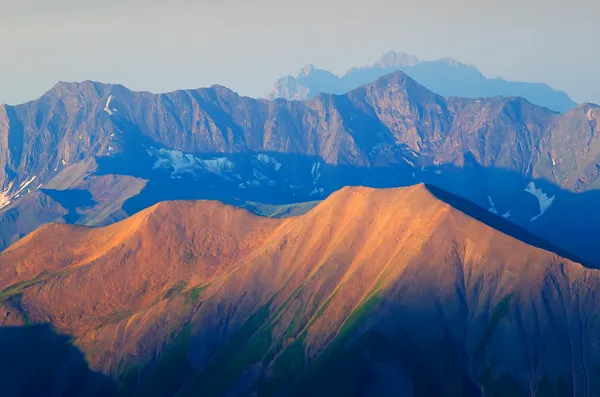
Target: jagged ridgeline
x,y
92,154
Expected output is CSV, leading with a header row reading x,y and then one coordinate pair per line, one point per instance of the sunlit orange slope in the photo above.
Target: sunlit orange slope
x,y
240,297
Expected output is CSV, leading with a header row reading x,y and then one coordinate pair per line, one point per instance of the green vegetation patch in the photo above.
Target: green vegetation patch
x,y
19,287
165,377
501,311
193,294
247,347
175,290
503,385
287,366
324,306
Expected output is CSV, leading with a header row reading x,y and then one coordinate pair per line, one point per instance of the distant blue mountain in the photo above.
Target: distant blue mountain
x,y
446,77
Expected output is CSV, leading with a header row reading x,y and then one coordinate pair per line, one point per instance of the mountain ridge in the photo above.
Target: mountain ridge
x,y
447,76
367,270
111,152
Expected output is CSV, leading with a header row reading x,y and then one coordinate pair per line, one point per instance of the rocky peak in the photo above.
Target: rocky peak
x,y
393,59
306,71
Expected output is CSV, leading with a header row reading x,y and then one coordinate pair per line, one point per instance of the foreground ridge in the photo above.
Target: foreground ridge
x,y
372,291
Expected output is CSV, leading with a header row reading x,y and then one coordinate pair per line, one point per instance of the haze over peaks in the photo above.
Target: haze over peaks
x,y
446,77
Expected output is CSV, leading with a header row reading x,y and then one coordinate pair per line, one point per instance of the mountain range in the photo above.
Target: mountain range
x,y
446,77
409,291
92,154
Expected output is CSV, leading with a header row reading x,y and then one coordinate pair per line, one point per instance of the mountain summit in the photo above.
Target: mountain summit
x,y
91,153
374,291
446,76
393,59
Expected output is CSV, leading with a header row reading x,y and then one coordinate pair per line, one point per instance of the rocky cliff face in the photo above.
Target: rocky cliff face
x,y
101,152
373,291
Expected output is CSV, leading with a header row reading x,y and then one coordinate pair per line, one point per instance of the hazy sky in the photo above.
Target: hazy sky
x,y
246,45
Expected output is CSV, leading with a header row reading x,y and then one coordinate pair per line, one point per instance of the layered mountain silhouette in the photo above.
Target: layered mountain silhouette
x,y
446,77
90,153
372,292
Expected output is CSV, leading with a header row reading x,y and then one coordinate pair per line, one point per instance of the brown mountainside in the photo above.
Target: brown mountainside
x,y
391,288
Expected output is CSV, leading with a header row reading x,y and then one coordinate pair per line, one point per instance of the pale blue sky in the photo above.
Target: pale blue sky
x,y
246,45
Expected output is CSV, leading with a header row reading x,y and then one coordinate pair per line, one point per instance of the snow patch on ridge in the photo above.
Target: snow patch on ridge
x,y
492,208
315,172
317,191
25,184
543,199
181,163
175,159
495,211
258,175
7,195
107,107
268,160
217,166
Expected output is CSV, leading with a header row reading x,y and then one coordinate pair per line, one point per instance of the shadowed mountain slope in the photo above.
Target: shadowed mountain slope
x,y
372,291
37,362
95,153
